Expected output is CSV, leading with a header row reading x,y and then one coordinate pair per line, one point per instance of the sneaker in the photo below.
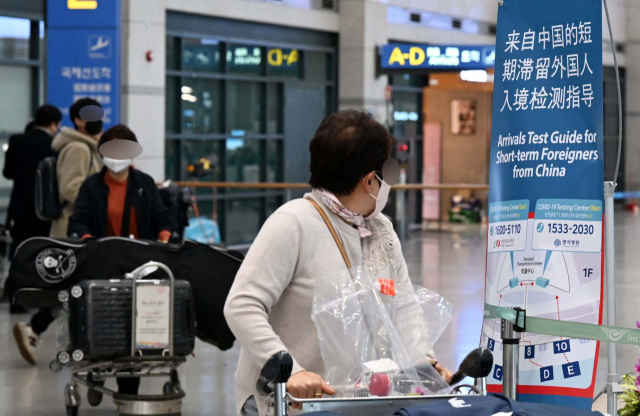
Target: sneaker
x,y
27,340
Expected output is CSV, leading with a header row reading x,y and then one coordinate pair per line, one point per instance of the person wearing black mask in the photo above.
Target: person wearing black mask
x,y
78,158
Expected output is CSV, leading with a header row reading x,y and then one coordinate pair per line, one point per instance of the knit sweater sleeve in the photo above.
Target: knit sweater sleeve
x,y
265,273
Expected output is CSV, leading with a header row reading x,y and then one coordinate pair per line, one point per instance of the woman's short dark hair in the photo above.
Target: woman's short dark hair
x,y
347,146
120,131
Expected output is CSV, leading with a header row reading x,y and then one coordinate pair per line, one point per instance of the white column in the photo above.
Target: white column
x,y
143,82
363,27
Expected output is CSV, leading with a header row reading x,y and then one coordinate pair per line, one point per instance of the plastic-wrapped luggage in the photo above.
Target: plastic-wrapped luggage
x,y
48,264
100,319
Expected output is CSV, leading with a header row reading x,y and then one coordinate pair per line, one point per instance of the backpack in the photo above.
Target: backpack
x,y
47,197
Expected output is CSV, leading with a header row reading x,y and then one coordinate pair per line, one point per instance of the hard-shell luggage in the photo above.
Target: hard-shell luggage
x,y
100,319
52,265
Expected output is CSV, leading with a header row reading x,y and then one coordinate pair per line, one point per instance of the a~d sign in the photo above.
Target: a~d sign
x,y
82,4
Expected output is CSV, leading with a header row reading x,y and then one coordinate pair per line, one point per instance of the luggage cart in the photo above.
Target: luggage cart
x,y
93,374
277,370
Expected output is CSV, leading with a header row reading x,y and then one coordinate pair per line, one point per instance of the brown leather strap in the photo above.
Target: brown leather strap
x,y
333,232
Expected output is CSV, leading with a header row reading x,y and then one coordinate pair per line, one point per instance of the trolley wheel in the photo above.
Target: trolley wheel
x,y
94,397
169,388
72,411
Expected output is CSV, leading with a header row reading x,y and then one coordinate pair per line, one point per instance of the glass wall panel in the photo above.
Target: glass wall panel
x,y
201,161
201,55
406,80
243,220
202,106
283,62
14,38
173,53
15,98
243,161
407,114
235,122
273,203
318,67
246,108
172,155
172,105
245,60
274,108
274,161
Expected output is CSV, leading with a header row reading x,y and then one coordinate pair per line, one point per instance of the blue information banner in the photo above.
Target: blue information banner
x,y
403,56
547,148
83,48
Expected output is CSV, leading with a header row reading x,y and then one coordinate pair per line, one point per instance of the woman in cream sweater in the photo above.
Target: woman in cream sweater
x,y
269,306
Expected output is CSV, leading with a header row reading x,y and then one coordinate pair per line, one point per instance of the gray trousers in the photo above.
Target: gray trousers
x,y
250,408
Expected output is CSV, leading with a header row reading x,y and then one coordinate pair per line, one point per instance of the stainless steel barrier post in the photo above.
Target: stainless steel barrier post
x,y
481,384
613,387
510,358
280,399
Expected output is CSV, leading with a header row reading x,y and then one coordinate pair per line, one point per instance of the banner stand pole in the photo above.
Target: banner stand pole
x,y
510,335
612,388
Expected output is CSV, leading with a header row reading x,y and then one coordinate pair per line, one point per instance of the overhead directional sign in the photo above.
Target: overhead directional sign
x,y
84,55
405,56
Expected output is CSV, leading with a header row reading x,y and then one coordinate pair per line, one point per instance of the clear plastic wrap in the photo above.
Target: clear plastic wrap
x,y
373,337
437,309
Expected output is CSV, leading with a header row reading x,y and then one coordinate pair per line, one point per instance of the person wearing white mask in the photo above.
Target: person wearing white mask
x,y
269,306
120,200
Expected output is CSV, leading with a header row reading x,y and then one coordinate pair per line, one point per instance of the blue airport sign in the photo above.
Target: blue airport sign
x,y
83,50
453,57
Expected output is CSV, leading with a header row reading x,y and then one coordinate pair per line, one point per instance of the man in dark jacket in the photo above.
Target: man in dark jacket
x,y
24,154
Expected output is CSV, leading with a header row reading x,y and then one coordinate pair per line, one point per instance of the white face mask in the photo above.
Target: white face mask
x,y
381,199
115,165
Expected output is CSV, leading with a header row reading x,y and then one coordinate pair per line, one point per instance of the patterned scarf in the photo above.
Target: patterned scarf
x,y
351,218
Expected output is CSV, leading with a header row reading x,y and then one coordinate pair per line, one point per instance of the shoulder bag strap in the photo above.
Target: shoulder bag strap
x,y
90,158
333,232
126,215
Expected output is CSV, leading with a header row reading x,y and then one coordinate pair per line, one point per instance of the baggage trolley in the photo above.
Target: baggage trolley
x,y
277,370
137,365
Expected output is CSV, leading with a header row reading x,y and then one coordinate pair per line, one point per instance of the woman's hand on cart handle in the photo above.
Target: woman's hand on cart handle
x,y
307,385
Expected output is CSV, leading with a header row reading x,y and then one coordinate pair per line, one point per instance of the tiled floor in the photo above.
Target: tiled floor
x,y
451,263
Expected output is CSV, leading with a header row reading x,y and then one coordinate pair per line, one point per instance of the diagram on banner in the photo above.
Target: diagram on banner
x,y
549,284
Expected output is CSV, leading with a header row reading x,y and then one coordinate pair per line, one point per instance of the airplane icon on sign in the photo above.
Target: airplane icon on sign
x,y
102,43
100,47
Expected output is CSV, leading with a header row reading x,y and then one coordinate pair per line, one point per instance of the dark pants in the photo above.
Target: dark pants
x,y
41,320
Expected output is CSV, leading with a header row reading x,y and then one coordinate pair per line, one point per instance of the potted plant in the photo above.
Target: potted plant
x,y
631,386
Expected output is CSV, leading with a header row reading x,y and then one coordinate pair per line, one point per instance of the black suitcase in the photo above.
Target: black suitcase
x,y
100,319
54,265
